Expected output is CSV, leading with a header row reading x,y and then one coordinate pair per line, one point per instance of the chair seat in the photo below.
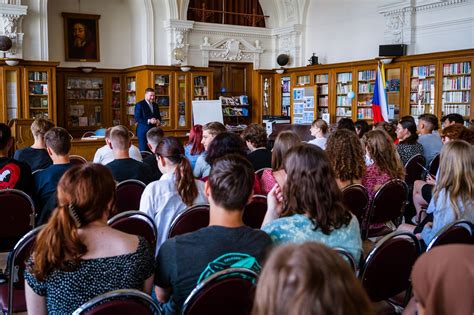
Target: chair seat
x,y
19,302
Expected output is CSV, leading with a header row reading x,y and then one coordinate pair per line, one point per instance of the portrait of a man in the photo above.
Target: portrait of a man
x,y
81,33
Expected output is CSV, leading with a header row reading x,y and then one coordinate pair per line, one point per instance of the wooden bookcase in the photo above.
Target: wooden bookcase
x,y
322,80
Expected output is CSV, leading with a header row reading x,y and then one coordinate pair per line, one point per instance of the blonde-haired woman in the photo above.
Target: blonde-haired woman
x,y
453,192
382,161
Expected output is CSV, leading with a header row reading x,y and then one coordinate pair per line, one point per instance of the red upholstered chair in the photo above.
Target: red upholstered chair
x,y
17,217
259,172
136,223
255,211
356,199
414,169
230,291
388,205
459,232
77,160
128,194
12,293
387,268
120,302
434,165
190,220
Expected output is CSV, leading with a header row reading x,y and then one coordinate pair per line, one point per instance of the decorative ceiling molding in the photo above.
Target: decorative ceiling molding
x,y
403,7
232,49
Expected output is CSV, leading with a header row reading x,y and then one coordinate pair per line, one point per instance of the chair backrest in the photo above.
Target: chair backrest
x,y
145,154
387,268
414,169
260,172
128,194
255,211
17,217
190,220
347,257
136,223
434,165
229,292
389,202
356,199
120,302
77,159
88,134
459,232
16,264
36,171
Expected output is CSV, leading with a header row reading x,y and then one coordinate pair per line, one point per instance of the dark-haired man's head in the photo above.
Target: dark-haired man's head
x,y
58,141
223,144
427,123
120,140
230,183
452,119
153,137
346,123
6,139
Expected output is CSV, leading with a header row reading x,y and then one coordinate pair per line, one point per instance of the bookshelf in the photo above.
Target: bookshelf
x,y
116,100
10,93
393,78
456,87
84,102
183,112
131,98
200,87
303,79
39,93
285,95
322,88
343,102
162,85
422,89
365,93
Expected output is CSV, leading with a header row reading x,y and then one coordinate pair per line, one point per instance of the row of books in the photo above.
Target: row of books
x,y
39,114
366,87
343,101
344,111
423,71
323,89
365,113
83,83
424,98
84,94
464,110
131,99
457,97
38,102
38,88
323,101
321,78
38,76
459,83
343,89
344,77
200,81
303,79
161,89
322,110
367,75
423,85
364,103
200,98
200,91
116,86
416,110
235,111
162,80
131,86
457,68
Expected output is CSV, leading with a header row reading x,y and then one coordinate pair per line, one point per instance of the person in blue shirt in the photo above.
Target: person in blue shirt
x,y
58,144
430,141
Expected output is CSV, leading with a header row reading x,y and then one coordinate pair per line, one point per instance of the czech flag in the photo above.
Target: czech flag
x,y
379,101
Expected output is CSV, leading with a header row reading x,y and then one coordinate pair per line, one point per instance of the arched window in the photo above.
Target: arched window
x,y
241,12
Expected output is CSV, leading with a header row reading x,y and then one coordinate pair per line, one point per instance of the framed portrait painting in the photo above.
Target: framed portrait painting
x,y
81,37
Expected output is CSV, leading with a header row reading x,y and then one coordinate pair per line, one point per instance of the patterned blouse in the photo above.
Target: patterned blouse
x,y
299,229
407,151
65,291
374,177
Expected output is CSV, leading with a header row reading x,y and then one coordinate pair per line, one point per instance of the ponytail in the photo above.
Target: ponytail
x,y
185,184
57,243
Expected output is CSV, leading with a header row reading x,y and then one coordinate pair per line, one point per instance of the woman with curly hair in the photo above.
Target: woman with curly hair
x,y
347,157
382,160
310,207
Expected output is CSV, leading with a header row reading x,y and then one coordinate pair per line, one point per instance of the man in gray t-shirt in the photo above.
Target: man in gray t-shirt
x,y
431,142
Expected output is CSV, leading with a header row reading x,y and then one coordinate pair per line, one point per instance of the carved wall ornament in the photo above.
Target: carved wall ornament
x,y
232,49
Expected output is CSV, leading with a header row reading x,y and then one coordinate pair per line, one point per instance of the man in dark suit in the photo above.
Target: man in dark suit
x,y
147,115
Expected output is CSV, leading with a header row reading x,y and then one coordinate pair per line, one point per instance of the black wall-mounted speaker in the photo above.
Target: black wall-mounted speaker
x,y
392,50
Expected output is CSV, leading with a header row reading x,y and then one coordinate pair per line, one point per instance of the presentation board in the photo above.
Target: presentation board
x,y
207,111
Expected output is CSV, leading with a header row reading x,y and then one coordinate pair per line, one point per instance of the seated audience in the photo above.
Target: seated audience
x,y
407,146
194,148
453,192
229,143
382,161
310,206
13,174
77,256
362,127
123,167
255,137
389,128
104,155
58,144
153,137
431,142
452,119
319,130
346,155
457,131
443,281
283,142
346,123
165,199
309,279
36,156
186,260
209,132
